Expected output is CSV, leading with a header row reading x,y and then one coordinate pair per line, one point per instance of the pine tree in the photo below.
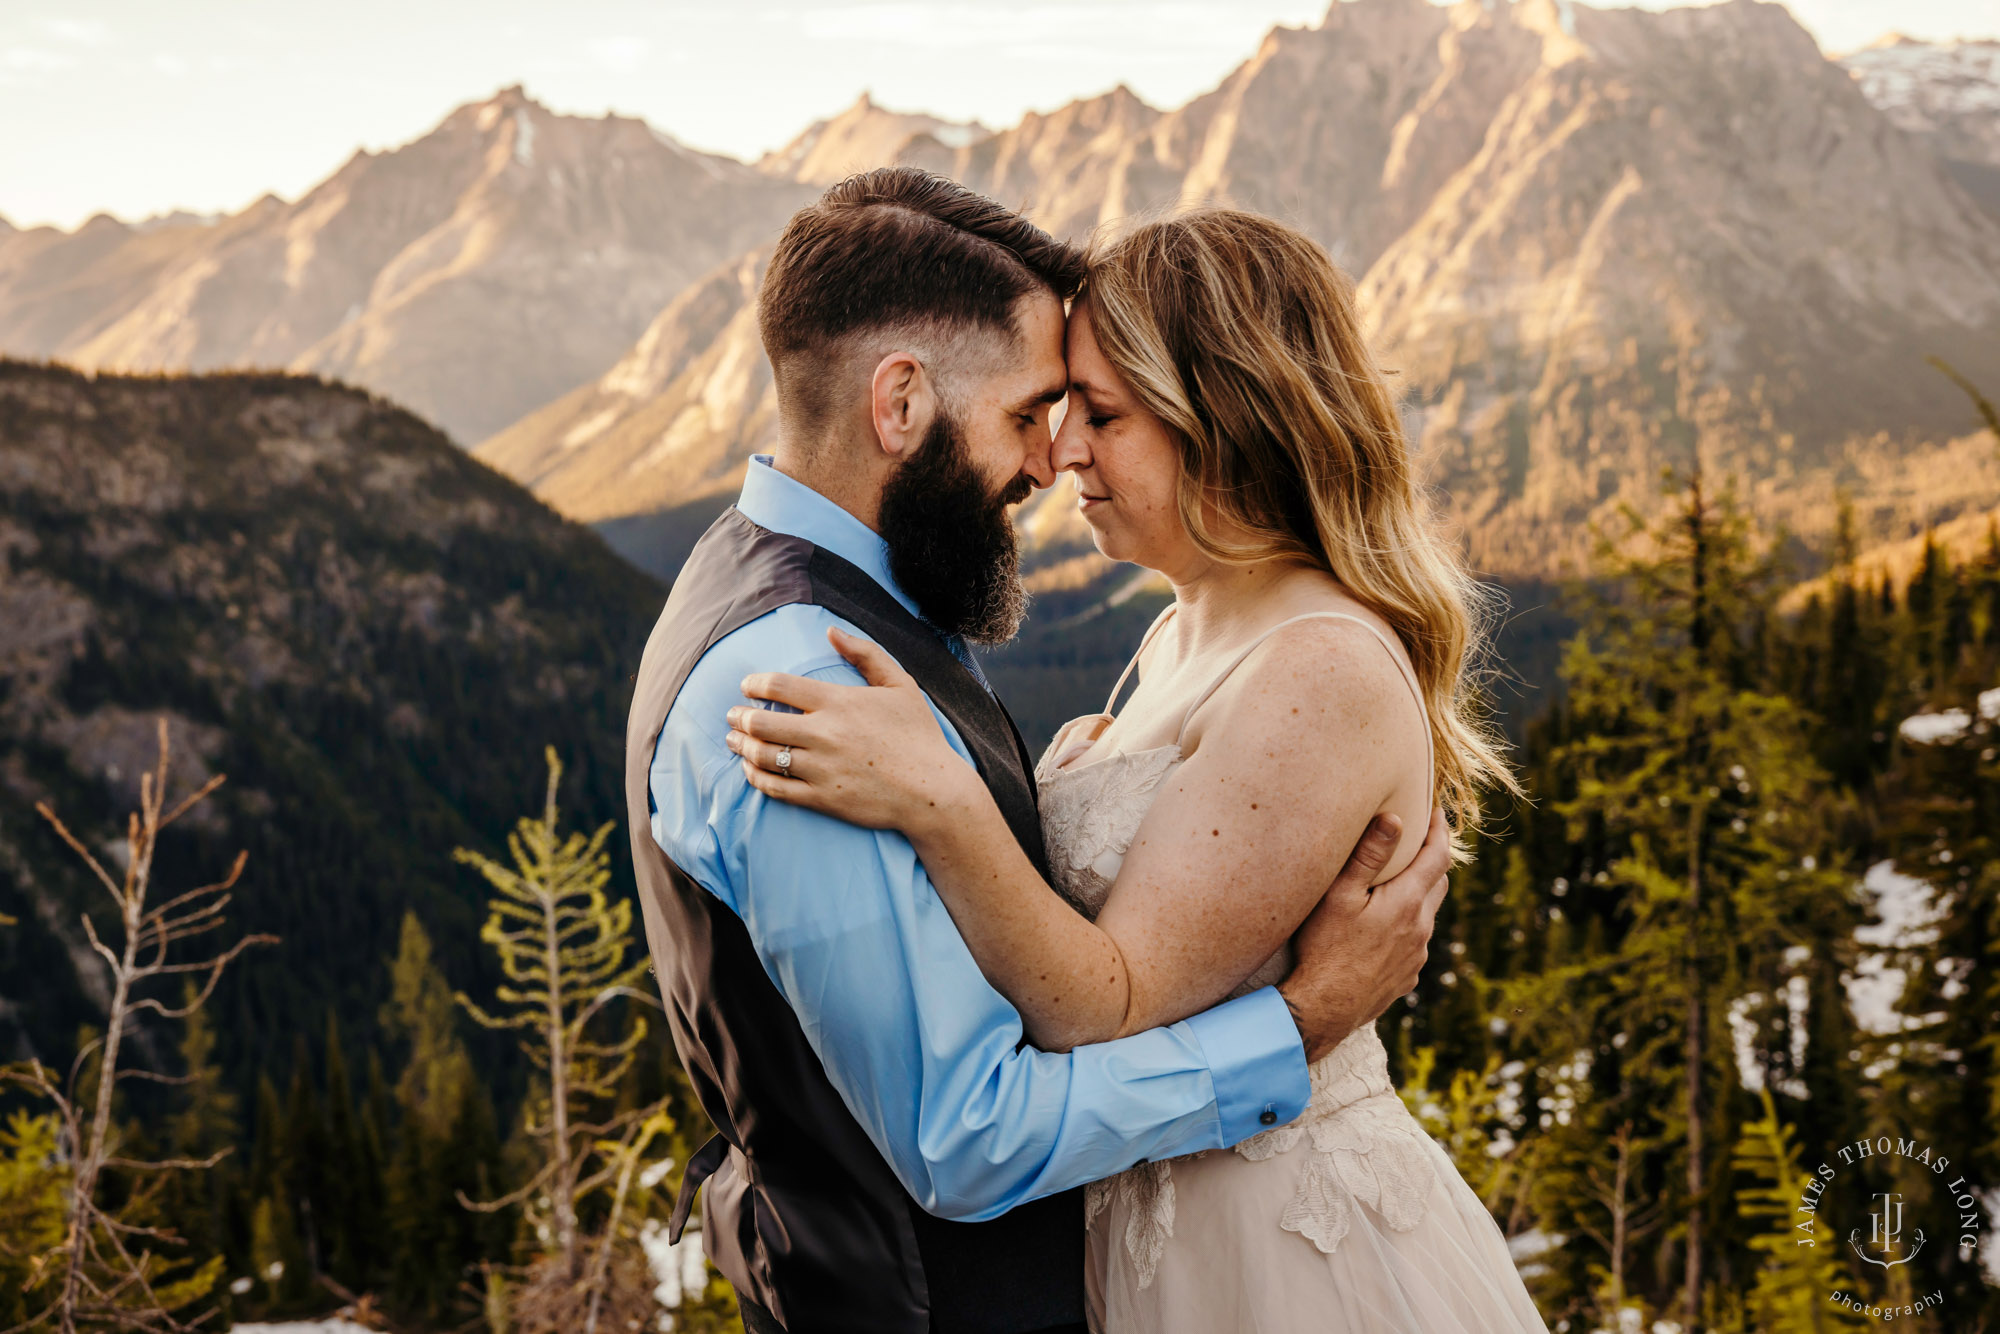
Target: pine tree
x,y
445,1141
33,1181
1801,1265
350,1212
203,1123
306,1157
569,956
1702,813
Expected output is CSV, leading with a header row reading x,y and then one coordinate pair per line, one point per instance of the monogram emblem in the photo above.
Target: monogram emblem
x,y
1885,1233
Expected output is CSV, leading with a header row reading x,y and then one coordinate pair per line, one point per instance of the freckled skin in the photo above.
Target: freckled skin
x,y
1317,725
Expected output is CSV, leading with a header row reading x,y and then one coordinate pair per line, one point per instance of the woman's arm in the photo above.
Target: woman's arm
x,y
1232,856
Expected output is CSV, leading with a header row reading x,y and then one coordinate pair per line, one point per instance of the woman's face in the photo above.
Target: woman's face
x,y
1125,461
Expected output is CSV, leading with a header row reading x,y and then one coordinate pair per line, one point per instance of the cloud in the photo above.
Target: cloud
x,y
29,57
84,32
620,52
169,64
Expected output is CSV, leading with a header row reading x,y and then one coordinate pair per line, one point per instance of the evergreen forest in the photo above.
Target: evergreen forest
x,y
1723,983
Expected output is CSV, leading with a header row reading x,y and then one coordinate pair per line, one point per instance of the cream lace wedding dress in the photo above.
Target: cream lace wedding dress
x,y
1350,1220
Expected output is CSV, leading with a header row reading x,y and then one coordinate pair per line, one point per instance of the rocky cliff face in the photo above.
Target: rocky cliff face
x,y
473,274
1684,230
654,449
1589,241
1945,94
372,634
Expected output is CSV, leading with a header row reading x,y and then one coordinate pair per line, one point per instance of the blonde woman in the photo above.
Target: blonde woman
x,y
1228,428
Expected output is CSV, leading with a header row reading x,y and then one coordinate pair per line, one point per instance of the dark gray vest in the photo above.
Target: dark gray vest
x,y
801,1213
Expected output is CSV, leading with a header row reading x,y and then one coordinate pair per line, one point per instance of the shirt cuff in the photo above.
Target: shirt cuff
x,y
1256,1061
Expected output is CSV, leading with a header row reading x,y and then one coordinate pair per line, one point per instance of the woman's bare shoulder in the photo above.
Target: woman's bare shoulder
x,y
1325,671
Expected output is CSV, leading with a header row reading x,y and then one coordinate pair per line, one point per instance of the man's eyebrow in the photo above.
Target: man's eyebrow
x,y
1048,396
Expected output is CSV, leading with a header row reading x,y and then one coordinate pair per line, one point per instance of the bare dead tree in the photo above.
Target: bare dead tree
x,y
111,1266
1628,1221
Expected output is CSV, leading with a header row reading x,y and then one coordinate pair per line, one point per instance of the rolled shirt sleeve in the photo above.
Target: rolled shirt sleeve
x,y
925,1053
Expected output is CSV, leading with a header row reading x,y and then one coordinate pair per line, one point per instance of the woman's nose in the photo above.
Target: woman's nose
x,y
1070,452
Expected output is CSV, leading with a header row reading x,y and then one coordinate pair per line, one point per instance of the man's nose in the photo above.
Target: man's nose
x,y
1037,466
1068,452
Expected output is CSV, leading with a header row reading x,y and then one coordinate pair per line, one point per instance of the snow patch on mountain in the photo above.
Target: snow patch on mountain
x,y
1916,81
1946,93
524,137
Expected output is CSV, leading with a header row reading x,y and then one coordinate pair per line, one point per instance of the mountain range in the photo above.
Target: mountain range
x,y
471,275
1590,243
370,632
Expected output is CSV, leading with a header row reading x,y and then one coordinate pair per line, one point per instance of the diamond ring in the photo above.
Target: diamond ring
x,y
785,760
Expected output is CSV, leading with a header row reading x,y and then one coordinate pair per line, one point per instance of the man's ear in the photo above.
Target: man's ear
x,y
902,403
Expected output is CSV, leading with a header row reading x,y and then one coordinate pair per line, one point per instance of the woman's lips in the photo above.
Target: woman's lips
x,y
1084,500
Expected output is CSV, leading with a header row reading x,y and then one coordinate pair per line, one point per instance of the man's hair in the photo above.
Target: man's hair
x,y
896,248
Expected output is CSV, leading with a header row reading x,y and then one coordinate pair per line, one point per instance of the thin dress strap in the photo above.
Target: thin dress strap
x,y
1409,679
1151,630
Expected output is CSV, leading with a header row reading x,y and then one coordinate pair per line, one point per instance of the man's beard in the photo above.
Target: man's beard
x,y
951,542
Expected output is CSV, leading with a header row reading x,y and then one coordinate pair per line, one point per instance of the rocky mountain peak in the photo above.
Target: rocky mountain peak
x,y
472,273
864,135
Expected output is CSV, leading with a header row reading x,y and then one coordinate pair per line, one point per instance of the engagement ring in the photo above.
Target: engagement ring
x,y
784,759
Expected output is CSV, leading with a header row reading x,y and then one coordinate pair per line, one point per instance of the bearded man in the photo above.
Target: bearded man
x,y
890,1155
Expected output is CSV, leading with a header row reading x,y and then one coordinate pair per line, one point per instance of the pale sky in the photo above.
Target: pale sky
x,y
134,107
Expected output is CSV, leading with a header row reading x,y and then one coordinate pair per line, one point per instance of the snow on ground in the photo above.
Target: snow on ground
x,y
680,1271
1907,915
1526,1249
1928,729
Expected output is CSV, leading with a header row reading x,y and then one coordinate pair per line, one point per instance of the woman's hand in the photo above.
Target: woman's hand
x,y
872,756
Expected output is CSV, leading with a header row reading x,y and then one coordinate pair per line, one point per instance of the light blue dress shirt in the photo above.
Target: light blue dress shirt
x,y
923,1050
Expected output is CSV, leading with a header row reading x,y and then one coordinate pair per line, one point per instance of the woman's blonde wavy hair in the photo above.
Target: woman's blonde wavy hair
x,y
1241,335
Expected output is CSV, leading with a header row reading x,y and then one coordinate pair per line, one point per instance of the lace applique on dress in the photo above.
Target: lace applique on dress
x,y
1087,819
1365,1145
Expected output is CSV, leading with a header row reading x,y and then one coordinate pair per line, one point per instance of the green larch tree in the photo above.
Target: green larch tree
x,y
571,962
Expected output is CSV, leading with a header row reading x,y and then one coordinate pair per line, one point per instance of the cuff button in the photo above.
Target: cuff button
x,y
1268,1117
